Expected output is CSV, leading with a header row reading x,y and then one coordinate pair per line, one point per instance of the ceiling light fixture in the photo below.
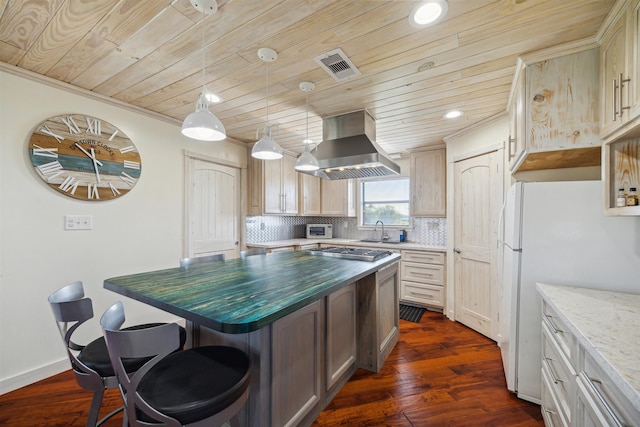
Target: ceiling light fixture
x,y
428,13
267,148
453,114
202,124
306,161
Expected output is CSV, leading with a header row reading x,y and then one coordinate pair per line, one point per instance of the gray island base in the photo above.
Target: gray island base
x,y
307,322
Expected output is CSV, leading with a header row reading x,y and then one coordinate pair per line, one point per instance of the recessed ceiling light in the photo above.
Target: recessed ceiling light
x,y
212,98
453,114
428,13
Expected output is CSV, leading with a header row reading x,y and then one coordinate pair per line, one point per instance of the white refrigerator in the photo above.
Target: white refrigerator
x,y
557,233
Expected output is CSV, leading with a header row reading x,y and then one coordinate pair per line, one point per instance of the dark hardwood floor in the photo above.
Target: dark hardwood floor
x,y
440,374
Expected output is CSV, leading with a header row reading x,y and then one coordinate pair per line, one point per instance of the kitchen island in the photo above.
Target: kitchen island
x,y
308,322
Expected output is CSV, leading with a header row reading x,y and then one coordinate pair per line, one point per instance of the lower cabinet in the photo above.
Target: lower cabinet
x,y
296,370
341,338
576,389
423,278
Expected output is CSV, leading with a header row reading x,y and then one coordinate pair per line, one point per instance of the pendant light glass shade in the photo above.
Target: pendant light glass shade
x,y
202,124
266,148
307,161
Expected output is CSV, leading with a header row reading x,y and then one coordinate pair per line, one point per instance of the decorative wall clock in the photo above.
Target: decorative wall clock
x,y
84,157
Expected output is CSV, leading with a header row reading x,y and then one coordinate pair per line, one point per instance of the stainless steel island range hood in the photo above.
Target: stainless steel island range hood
x,y
349,149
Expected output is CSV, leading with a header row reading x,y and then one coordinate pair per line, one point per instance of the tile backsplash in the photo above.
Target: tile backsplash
x,y
428,231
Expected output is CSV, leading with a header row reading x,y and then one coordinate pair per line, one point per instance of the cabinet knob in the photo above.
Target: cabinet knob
x,y
456,250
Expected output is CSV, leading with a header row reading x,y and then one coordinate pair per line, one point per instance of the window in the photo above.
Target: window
x,y
386,200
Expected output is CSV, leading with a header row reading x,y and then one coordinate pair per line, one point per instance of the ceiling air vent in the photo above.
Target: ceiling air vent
x,y
337,65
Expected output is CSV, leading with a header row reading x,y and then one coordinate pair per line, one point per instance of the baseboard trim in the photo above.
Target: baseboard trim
x,y
35,375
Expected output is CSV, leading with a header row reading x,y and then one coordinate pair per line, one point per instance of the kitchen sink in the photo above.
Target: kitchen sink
x,y
378,241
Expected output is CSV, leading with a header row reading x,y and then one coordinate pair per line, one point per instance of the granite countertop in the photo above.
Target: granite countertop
x,y
350,242
606,325
244,294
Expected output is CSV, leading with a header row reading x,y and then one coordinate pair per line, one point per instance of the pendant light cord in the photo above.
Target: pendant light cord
x,y
203,62
267,73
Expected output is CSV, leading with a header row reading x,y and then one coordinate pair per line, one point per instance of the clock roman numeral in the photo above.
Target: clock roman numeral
x,y
69,185
127,149
128,179
94,126
114,190
51,170
71,124
49,132
113,136
131,165
45,152
92,191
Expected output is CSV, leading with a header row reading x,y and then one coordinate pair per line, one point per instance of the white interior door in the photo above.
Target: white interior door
x,y
476,206
213,213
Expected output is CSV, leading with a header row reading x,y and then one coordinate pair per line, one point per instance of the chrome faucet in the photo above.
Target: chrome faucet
x,y
382,235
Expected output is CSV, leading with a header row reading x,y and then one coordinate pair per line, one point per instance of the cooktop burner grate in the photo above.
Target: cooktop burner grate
x,y
360,254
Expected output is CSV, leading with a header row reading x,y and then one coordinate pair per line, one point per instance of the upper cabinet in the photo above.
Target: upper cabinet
x,y
337,197
554,111
273,186
620,105
620,71
427,183
309,198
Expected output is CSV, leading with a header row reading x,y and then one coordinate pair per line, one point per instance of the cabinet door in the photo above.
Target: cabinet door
x,y
427,183
634,60
341,334
289,185
272,183
612,64
561,102
517,134
334,197
296,384
309,195
388,311
254,177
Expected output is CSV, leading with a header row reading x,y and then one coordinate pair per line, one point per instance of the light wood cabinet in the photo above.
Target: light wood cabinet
x,y
296,384
620,105
554,113
309,198
341,338
337,197
427,183
378,323
620,70
423,278
273,186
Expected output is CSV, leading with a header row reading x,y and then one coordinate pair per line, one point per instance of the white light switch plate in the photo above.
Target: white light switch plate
x,y
78,222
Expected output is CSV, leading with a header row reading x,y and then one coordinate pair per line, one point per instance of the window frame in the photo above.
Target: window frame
x,y
359,202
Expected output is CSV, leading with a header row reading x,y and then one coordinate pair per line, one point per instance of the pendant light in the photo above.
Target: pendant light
x,y
267,148
202,124
306,161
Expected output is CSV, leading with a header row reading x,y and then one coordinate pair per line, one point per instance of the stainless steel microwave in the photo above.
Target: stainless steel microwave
x,y
319,231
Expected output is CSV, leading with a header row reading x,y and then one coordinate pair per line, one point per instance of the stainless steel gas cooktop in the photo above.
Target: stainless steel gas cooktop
x,y
360,254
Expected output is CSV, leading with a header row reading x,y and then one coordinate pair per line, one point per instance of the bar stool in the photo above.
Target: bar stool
x,y
203,385
185,262
253,251
90,363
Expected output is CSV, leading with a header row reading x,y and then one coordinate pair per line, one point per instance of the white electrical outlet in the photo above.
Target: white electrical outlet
x,y
78,222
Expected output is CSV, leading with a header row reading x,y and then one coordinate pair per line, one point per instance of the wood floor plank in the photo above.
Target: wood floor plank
x,y
440,373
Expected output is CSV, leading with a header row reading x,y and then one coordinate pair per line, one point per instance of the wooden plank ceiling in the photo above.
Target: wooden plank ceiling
x,y
149,53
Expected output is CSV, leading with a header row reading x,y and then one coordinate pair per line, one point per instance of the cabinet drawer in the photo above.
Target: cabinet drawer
x,y
560,372
423,294
561,333
550,407
423,273
423,257
607,397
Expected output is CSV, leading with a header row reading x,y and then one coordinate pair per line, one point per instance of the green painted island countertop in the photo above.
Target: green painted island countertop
x,y
244,294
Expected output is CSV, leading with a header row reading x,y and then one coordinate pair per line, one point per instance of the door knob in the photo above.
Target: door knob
x,y
456,250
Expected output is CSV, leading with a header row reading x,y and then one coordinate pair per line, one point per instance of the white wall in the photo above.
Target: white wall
x,y
141,231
